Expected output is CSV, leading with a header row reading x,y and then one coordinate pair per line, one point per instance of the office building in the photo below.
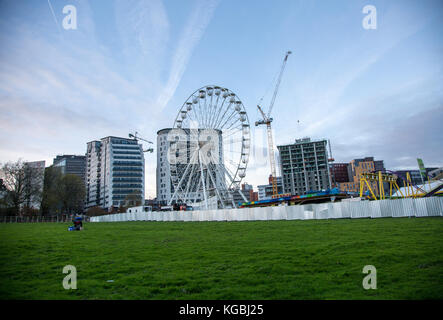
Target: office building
x,y
265,190
115,172
248,191
339,173
71,164
165,188
355,168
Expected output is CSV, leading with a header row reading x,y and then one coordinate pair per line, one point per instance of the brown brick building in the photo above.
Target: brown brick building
x,y
354,169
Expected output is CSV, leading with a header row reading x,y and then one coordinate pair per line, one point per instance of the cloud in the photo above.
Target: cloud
x,y
57,93
192,33
144,28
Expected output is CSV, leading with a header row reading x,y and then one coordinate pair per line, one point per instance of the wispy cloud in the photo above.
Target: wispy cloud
x,y
144,31
54,16
192,33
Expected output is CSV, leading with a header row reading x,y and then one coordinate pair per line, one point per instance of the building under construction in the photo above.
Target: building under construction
x,y
304,166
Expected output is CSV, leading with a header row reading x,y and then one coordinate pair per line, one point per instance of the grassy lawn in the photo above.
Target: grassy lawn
x,y
317,259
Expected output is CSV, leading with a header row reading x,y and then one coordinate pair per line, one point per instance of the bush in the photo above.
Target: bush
x,y
95,211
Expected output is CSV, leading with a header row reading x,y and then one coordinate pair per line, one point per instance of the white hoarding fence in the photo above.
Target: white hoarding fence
x,y
420,207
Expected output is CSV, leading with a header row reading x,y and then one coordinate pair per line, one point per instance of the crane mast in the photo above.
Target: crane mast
x,y
267,120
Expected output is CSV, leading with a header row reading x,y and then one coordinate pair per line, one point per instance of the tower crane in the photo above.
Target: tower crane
x,y
138,138
267,120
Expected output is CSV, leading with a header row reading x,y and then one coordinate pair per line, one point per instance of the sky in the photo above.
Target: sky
x,y
130,65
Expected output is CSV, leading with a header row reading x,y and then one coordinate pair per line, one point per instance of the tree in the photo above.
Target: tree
x,y
71,192
121,209
95,211
4,194
33,188
133,200
23,183
51,201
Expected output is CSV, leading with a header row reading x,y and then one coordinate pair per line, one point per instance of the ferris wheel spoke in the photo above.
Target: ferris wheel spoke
x,y
217,124
205,113
218,112
211,108
233,140
191,118
237,123
230,134
194,110
224,121
202,113
211,119
216,189
229,121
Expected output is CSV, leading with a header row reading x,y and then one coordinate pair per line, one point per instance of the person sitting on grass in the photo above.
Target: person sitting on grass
x,y
78,224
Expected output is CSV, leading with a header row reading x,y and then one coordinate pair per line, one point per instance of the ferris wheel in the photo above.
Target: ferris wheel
x,y
209,148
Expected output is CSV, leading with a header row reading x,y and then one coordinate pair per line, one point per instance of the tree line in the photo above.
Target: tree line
x,y
26,190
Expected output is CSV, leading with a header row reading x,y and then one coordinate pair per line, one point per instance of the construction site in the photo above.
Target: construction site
x,y
203,158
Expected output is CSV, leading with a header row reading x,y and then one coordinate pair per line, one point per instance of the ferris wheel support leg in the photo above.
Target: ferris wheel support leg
x,y
242,195
203,181
223,183
196,193
186,194
181,181
216,189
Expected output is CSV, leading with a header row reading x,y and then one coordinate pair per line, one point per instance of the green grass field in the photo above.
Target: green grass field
x,y
317,259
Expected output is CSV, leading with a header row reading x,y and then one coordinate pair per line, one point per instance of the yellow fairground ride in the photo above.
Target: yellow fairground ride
x,y
410,190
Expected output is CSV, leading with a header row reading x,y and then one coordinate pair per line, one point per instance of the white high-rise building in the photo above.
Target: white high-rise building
x,y
191,182
163,174
115,172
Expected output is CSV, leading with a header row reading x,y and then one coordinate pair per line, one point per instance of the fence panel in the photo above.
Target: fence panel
x,y
408,207
385,208
259,214
433,206
345,209
308,212
397,210
420,207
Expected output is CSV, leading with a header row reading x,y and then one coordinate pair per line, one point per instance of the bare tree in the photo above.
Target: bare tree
x,y
23,184
33,188
13,175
